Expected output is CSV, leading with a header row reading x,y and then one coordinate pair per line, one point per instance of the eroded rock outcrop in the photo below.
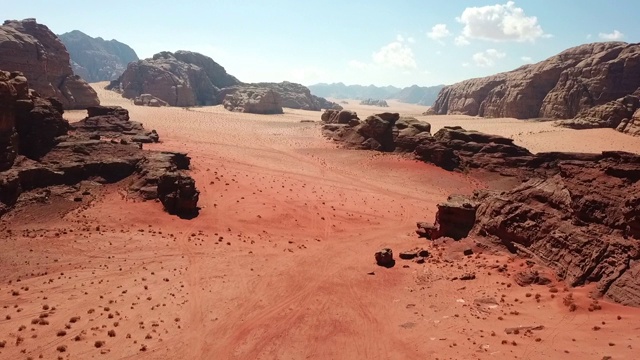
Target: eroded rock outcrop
x,y
96,59
577,213
113,122
374,102
296,96
36,151
149,100
583,222
620,114
186,79
182,78
451,147
38,53
252,100
559,87
580,217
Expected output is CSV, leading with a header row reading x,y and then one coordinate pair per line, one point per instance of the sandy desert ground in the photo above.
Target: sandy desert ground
x,y
279,264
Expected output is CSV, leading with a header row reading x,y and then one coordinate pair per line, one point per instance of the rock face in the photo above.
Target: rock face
x,y
455,218
373,102
182,78
29,125
584,222
620,114
559,87
36,151
34,50
252,100
96,59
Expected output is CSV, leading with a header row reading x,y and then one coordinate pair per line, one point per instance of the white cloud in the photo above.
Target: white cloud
x,y
465,64
411,40
395,55
306,74
526,59
359,64
439,32
461,41
589,36
400,38
487,58
500,23
615,35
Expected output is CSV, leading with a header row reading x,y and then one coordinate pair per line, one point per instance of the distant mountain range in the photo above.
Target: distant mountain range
x,y
96,59
422,95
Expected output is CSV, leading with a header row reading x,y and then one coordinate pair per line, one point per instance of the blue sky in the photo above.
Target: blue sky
x,y
356,42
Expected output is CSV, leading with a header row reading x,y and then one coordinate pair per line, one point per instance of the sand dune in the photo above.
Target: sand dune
x,y
279,264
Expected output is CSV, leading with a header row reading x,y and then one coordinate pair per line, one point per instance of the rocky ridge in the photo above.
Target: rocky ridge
x,y
38,53
96,59
560,87
37,152
189,79
576,213
252,100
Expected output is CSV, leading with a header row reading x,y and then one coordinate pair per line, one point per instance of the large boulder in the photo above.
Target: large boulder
x,y
96,59
182,78
253,100
559,87
34,50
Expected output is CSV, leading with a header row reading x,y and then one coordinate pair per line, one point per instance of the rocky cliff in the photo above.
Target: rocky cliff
x,y
96,59
182,78
34,50
559,87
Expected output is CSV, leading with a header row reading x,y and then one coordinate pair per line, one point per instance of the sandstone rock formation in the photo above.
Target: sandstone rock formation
x,y
36,151
559,87
113,122
374,102
34,50
149,100
182,78
252,100
584,222
576,213
296,96
450,148
187,79
95,59
620,114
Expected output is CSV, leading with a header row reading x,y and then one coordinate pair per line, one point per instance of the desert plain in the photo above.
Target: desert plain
x,y
279,263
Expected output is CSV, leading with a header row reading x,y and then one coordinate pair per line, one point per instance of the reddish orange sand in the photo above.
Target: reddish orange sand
x,y
279,264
